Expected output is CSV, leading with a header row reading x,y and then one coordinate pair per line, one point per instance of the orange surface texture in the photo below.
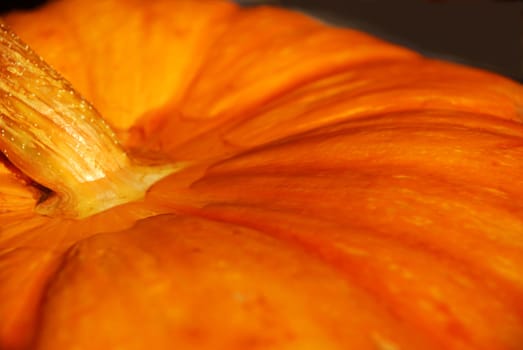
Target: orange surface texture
x,y
343,193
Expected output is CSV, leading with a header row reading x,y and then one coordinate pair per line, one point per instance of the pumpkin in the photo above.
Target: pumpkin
x,y
260,180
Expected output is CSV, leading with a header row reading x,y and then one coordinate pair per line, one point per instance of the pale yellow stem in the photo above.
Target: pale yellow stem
x,y
54,136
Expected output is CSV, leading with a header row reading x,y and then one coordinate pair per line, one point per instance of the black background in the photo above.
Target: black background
x,y
483,33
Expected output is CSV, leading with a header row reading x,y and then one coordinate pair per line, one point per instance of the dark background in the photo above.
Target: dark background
x,y
483,33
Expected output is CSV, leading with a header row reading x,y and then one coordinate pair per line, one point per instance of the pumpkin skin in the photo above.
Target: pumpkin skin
x,y
344,193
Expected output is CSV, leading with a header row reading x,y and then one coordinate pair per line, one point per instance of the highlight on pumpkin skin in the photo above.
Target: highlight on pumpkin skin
x,y
54,136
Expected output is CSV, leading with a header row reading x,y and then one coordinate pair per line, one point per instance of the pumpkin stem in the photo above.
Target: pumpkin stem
x,y
55,137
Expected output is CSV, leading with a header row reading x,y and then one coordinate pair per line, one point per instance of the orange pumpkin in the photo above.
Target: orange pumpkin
x,y
327,190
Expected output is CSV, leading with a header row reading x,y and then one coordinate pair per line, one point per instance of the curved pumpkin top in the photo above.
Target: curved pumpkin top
x,y
345,193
